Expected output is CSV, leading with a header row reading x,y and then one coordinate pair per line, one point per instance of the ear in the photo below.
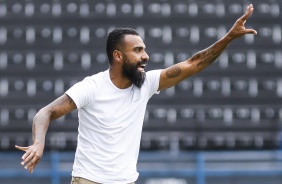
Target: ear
x,y
117,55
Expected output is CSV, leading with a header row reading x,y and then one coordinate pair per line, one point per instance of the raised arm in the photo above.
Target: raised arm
x,y
59,107
180,71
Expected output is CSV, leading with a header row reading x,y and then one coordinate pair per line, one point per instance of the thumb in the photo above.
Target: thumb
x,y
21,148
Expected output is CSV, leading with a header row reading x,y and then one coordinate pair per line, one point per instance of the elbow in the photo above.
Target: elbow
x,y
42,115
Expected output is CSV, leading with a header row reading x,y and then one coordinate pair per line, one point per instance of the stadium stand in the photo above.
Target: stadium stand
x,y
234,105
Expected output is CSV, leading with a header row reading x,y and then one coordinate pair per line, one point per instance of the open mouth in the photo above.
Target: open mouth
x,y
141,67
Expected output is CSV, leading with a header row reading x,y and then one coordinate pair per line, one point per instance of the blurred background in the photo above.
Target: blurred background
x,y
219,126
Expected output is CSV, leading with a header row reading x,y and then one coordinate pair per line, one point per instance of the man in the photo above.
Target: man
x,y
112,105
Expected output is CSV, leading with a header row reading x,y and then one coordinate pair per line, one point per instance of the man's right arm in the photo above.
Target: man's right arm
x,y
59,107
180,71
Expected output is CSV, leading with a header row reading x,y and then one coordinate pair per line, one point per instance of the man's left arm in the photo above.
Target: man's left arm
x,y
180,71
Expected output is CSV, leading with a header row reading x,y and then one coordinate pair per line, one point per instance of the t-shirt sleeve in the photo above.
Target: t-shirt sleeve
x,y
82,93
153,81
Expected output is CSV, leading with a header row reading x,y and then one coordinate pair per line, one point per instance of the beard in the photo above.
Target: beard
x,y
131,71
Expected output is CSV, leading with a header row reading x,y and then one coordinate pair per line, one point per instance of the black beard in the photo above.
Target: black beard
x,y
132,73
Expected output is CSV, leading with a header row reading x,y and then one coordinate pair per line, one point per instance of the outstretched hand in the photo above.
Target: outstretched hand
x,y
32,155
238,28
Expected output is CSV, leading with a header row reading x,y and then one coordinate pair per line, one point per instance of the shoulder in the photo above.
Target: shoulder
x,y
90,83
95,78
153,75
152,81
154,72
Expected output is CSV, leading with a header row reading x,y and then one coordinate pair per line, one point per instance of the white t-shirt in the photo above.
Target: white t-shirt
x,y
110,126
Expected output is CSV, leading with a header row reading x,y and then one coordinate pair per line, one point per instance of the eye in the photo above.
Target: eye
x,y
138,49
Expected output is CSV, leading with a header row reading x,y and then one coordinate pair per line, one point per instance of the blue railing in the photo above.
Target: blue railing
x,y
56,165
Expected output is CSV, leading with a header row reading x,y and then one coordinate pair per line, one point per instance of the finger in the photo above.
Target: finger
x,y
21,148
244,22
248,12
26,155
251,31
32,164
28,158
28,165
30,170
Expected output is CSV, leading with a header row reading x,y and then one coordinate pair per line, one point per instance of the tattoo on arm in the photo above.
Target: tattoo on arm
x,y
197,56
173,72
70,100
206,57
58,107
209,58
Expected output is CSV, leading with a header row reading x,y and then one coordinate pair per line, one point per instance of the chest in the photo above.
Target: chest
x,y
113,107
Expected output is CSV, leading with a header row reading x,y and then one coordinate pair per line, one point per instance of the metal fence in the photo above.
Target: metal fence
x,y
244,167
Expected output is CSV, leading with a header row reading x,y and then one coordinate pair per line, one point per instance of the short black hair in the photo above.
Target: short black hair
x,y
115,38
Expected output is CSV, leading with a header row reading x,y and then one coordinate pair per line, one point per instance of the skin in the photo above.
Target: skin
x,y
134,49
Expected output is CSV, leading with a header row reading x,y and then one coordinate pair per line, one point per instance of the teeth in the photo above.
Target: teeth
x,y
141,69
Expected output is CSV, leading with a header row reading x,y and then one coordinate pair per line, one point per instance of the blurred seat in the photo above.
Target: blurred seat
x,y
46,47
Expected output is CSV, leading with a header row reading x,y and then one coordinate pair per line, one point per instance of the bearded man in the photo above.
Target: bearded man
x,y
111,106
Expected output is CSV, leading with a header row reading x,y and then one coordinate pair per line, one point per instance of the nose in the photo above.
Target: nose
x,y
145,57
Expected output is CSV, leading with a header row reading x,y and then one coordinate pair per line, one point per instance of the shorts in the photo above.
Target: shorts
x,y
79,180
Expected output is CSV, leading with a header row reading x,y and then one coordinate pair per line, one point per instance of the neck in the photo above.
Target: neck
x,y
118,79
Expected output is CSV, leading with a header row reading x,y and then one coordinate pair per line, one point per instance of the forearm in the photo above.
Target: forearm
x,y
40,126
59,107
54,110
204,58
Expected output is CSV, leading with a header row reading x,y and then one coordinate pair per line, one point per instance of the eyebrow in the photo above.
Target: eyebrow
x,y
139,47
